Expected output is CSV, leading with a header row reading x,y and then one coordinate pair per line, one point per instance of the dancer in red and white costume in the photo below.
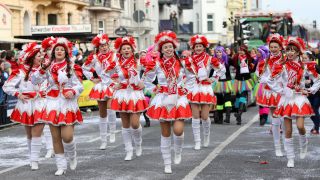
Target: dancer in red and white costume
x,y
170,103
293,104
99,67
270,98
201,96
61,110
46,47
128,98
30,99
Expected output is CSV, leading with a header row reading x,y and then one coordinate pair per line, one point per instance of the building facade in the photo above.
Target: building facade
x,y
208,18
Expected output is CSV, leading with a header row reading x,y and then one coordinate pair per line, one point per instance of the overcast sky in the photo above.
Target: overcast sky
x,y
303,11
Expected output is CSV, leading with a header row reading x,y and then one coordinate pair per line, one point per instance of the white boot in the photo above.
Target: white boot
x,y
290,152
303,141
178,145
127,140
196,133
137,138
112,123
29,150
103,126
276,136
166,153
48,139
61,163
35,152
206,124
70,151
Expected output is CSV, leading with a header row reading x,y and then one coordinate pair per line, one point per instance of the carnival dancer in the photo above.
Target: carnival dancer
x,y
61,111
201,96
270,98
170,104
128,98
46,47
223,88
293,104
151,56
98,68
310,63
30,100
243,81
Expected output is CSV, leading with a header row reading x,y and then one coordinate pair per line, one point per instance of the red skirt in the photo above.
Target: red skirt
x,y
268,98
202,94
100,92
129,101
296,106
158,110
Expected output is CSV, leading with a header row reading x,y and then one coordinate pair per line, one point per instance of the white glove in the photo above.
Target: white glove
x,y
313,89
62,77
288,92
263,80
202,74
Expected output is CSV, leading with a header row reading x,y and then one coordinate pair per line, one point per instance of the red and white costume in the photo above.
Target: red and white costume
x,y
58,110
129,98
200,65
290,75
170,102
269,98
27,113
104,66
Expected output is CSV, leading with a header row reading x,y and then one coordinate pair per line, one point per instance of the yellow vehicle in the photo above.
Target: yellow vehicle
x,y
84,100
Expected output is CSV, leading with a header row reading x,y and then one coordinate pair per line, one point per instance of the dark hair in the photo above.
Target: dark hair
x,y
66,57
3,54
310,56
9,55
29,62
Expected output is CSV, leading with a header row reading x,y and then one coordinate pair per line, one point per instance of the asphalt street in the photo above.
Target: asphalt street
x,y
235,152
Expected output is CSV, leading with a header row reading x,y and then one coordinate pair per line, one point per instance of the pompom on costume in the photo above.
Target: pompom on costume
x,y
200,65
59,110
129,98
100,66
27,113
170,102
291,75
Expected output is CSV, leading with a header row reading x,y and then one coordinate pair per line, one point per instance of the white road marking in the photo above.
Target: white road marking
x,y
193,173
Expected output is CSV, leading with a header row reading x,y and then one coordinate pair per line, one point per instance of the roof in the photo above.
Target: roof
x,y
263,14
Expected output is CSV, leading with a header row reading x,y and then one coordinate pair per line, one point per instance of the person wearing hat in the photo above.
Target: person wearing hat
x,y
243,64
170,105
98,68
128,98
269,98
201,96
61,111
293,104
30,96
311,66
46,47
223,88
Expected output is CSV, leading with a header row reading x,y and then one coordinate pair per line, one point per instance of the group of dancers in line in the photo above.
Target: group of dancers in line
x,y
48,84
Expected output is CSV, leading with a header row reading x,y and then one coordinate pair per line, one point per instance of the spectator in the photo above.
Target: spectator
x,y
10,58
79,57
3,77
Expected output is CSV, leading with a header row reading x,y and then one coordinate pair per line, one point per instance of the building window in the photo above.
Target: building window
x,y
245,4
100,27
122,4
69,18
52,19
98,2
210,22
37,18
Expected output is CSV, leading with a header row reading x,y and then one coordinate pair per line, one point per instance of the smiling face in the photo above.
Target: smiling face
x,y
274,48
104,48
292,52
37,59
219,54
167,49
60,53
126,51
199,48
